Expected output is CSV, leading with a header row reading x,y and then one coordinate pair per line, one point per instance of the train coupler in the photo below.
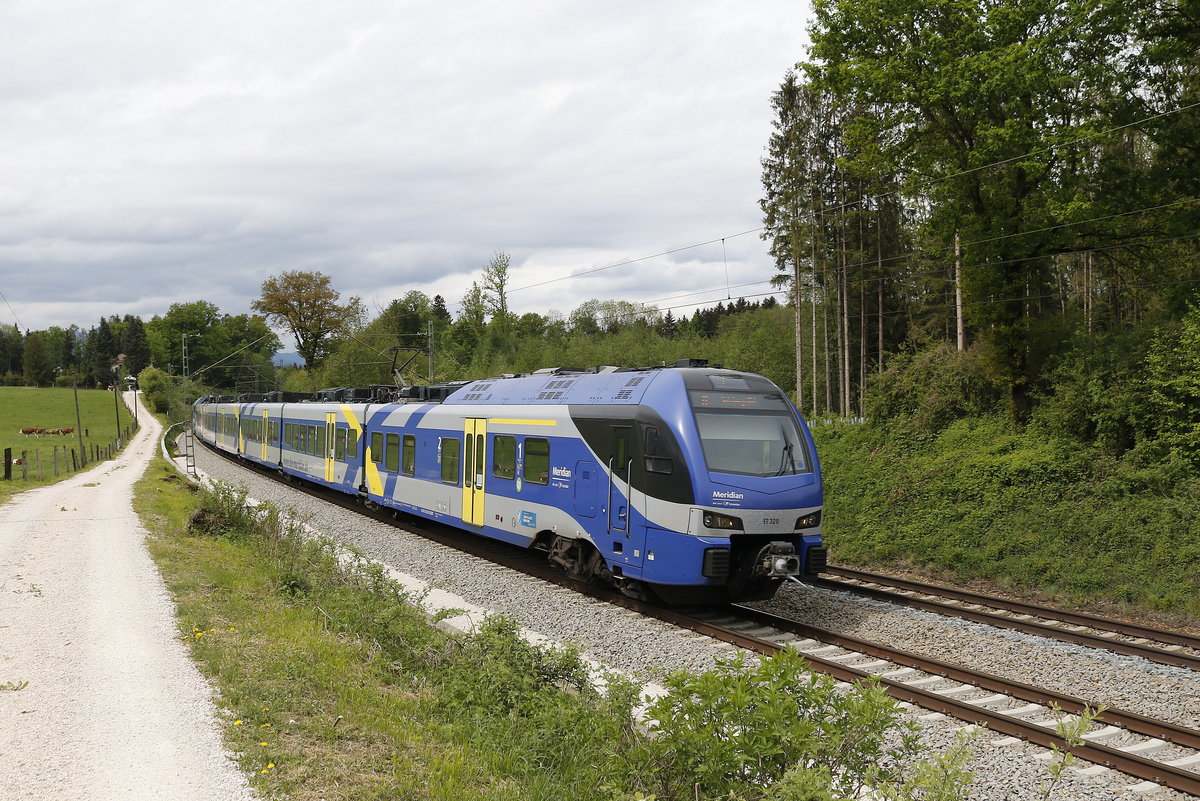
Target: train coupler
x,y
777,560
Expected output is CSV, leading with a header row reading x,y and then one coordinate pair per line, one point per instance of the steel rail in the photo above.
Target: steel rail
x,y
1160,655
1127,628
1130,721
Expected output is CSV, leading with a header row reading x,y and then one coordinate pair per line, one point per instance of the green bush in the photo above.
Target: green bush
x,y
932,388
1173,378
776,730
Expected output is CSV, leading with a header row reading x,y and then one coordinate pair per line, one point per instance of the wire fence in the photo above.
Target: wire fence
x,y
29,465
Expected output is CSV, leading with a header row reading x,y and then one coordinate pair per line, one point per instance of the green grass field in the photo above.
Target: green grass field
x,y
30,407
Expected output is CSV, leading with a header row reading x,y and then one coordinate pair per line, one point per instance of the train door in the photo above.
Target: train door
x,y
585,489
239,440
330,440
263,434
474,439
618,468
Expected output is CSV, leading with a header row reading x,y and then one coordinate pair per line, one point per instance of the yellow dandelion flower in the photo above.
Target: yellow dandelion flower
x,y
266,725
264,770
266,709
199,634
263,743
237,723
233,628
270,764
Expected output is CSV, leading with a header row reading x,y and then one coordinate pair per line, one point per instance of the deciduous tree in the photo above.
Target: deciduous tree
x,y
307,305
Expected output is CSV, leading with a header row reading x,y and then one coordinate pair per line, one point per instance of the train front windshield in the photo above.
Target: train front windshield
x,y
749,433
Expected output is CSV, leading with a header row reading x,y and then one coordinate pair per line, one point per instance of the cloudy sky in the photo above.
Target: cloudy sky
x,y
154,152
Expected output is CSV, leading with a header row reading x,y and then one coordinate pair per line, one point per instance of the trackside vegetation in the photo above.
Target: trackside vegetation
x,y
1096,500
335,685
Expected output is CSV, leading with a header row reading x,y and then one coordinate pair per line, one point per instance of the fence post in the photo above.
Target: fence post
x,y
37,457
8,464
24,465
56,461
74,462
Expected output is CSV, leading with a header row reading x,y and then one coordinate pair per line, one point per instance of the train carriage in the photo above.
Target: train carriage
x,y
694,483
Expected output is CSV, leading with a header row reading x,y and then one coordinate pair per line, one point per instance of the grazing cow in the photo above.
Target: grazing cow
x,y
53,431
70,430
27,432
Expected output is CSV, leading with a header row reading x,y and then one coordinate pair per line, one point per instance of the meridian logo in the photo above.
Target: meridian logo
x,y
733,496
560,472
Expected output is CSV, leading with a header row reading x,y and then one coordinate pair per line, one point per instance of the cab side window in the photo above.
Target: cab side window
x,y
654,453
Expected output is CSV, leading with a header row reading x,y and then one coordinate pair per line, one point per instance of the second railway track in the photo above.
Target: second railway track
x,y
1156,645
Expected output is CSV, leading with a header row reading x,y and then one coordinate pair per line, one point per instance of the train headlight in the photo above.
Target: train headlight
x,y
810,520
720,521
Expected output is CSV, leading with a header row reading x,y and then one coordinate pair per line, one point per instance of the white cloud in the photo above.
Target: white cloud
x,y
165,150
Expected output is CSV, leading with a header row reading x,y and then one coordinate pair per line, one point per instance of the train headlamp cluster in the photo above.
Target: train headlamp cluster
x,y
720,521
810,520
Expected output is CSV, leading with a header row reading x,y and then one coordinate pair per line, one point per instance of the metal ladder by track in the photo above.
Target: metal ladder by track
x,y
189,451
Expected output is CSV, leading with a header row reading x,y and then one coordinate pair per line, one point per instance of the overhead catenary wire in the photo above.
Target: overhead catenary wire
x,y
784,294
11,310
932,181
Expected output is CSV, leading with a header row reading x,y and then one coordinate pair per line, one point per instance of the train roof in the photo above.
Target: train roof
x,y
549,386
614,386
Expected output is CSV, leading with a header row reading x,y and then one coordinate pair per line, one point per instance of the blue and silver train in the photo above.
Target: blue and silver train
x,y
691,483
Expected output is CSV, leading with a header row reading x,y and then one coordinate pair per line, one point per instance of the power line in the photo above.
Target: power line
x,y
931,181
10,308
628,262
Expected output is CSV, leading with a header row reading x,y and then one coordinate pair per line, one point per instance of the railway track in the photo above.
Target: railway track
x,y
1156,645
1154,751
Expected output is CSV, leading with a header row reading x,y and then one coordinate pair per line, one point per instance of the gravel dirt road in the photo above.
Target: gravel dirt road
x,y
114,708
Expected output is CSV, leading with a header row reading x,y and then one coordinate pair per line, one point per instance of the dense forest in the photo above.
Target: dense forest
x,y
984,218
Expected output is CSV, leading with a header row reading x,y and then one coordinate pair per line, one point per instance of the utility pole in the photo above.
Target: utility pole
x,y
78,422
430,343
960,326
116,399
185,354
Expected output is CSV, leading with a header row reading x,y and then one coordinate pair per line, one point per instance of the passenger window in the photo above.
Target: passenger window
x,y
377,447
537,460
320,449
654,453
391,461
504,457
351,445
409,462
303,443
449,451
339,448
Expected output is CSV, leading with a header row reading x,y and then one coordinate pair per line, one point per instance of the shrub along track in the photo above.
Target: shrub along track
x,y
907,677
1154,644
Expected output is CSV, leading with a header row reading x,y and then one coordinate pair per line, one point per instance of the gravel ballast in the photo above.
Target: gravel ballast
x,y
648,648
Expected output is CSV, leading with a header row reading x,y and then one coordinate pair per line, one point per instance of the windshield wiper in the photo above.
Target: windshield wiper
x,y
788,455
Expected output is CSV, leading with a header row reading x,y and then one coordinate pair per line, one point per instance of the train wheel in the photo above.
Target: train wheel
x,y
578,558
